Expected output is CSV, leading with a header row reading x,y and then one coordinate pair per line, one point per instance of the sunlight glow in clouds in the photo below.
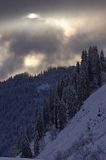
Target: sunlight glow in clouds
x,y
62,23
37,40
33,16
33,60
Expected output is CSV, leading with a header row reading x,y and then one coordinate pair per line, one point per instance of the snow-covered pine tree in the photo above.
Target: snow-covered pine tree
x,y
40,125
102,61
94,68
78,67
51,115
56,111
71,101
62,115
46,116
36,144
25,146
60,87
84,77
84,57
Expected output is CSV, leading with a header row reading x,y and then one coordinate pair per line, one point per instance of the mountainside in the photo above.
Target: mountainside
x,y
4,158
34,110
85,135
21,97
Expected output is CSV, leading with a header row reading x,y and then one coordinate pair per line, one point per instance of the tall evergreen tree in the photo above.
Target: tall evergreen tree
x,y
25,147
60,87
84,57
62,116
51,103
102,61
36,144
78,67
71,102
46,116
84,77
56,111
40,125
94,68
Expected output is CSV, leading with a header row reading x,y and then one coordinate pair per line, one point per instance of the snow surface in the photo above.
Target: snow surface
x,y
4,158
86,130
89,122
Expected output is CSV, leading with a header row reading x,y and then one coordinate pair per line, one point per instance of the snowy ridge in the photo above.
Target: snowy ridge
x,y
4,158
86,131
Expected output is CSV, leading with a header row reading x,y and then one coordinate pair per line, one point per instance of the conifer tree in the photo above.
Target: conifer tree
x,y
36,144
84,77
102,61
56,111
40,125
84,57
60,88
62,116
78,67
46,116
25,147
94,68
70,100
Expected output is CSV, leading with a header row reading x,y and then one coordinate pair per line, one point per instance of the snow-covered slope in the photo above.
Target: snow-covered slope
x,y
4,158
85,136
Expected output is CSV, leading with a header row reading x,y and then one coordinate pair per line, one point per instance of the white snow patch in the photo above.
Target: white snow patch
x,y
91,119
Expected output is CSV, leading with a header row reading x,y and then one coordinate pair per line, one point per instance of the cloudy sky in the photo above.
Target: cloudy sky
x,y
36,34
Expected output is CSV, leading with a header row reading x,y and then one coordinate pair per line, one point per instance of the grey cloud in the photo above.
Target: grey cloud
x,y
50,43
12,65
21,45
47,43
83,40
11,8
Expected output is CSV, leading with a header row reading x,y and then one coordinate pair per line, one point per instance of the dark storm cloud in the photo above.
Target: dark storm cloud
x,y
51,45
21,44
11,8
48,43
84,40
51,42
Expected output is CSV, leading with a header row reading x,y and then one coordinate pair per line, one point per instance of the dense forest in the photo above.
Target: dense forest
x,y
31,107
20,99
72,90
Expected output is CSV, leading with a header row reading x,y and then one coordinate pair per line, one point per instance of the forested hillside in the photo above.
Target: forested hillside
x,y
84,137
35,109
68,97
21,97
